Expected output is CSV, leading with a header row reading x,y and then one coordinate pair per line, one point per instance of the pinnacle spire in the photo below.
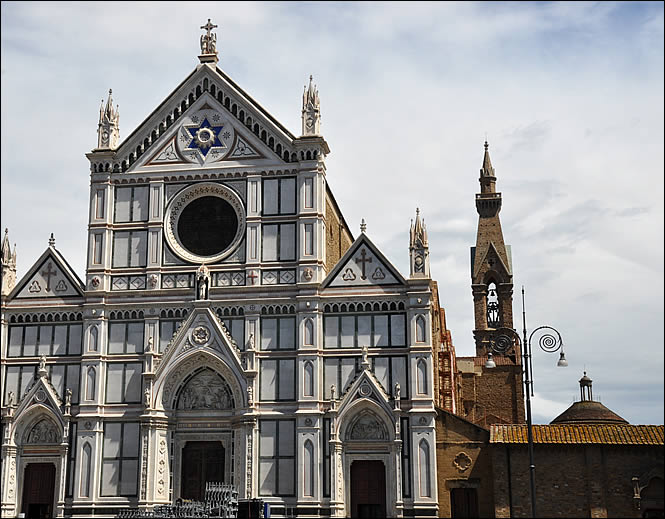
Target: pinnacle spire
x,y
6,248
487,169
108,129
8,265
51,241
311,109
419,247
208,44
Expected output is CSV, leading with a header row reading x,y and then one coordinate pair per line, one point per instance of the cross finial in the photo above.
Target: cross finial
x,y
363,226
208,27
208,44
486,145
51,241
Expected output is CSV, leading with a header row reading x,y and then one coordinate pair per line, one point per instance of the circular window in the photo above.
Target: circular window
x,y
205,223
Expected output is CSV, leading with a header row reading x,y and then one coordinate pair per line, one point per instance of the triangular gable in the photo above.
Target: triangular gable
x,y
363,265
50,277
202,329
492,260
240,108
205,135
41,392
365,385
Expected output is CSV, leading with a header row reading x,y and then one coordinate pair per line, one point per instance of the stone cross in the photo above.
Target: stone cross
x,y
362,260
208,39
47,274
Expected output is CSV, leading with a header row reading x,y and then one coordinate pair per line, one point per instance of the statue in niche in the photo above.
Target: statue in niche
x,y
206,390
44,431
367,428
202,282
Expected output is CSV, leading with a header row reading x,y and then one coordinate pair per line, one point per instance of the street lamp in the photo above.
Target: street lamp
x,y
549,340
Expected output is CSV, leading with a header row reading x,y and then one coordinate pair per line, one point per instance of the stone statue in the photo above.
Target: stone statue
x,y
146,397
208,40
42,363
150,347
68,397
202,282
332,392
10,399
250,395
398,391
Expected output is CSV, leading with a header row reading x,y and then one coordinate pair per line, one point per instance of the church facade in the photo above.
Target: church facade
x,y
229,328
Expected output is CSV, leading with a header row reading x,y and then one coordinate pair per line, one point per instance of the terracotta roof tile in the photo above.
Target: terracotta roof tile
x,y
608,434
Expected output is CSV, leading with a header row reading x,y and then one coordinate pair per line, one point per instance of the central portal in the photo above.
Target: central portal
x,y
368,488
38,490
202,462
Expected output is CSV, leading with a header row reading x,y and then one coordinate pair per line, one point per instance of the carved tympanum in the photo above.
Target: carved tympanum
x,y
367,427
44,431
205,390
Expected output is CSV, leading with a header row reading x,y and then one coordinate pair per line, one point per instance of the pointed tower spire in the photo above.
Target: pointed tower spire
x,y
108,129
8,265
491,269
419,248
208,44
311,110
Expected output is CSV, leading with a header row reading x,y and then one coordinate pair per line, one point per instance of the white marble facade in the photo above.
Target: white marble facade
x,y
296,371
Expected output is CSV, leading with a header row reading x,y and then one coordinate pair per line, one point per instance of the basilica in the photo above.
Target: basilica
x,y
231,327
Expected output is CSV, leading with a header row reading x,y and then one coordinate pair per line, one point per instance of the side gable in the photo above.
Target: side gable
x,y
50,277
363,265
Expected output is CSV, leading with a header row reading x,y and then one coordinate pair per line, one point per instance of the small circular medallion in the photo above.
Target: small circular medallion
x,y
40,396
365,390
201,335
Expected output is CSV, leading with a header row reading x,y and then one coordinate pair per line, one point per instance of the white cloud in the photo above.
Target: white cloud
x,y
569,94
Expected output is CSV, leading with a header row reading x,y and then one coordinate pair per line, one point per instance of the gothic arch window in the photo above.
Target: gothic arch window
x,y
308,379
424,465
420,329
309,332
308,466
90,382
86,463
92,343
422,376
493,315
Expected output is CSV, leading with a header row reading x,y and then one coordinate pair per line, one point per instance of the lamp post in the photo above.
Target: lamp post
x,y
549,340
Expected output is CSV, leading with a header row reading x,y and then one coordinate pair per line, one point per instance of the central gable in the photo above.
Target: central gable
x,y
207,119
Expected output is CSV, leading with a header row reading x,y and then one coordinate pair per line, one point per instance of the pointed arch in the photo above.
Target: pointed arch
x,y
308,379
90,383
421,373
308,339
308,469
85,469
421,329
424,469
92,340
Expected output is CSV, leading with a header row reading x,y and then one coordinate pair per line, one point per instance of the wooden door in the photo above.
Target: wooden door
x,y
38,490
368,489
463,502
201,462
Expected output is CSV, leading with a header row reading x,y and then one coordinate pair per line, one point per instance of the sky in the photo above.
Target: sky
x,y
568,95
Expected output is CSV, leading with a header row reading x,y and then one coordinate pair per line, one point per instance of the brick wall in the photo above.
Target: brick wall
x,y
571,480
463,442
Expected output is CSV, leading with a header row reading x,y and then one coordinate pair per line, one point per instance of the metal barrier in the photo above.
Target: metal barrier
x,y
220,501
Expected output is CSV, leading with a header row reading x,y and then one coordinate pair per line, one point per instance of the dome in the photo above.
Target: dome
x,y
588,411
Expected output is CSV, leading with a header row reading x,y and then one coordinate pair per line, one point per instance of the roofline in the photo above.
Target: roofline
x,y
339,211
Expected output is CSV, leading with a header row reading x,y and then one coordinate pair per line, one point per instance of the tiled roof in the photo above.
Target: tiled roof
x,y
608,434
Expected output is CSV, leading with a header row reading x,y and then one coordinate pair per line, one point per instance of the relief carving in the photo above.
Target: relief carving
x,y
367,428
44,431
206,390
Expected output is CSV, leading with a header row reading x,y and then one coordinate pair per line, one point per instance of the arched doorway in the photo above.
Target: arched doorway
x,y
38,490
202,462
368,488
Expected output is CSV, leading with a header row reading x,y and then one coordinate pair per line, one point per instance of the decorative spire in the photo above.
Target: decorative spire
x,y
419,248
586,393
487,170
311,109
51,241
208,44
108,129
8,265
363,226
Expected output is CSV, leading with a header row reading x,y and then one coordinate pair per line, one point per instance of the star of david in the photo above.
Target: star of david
x,y
204,137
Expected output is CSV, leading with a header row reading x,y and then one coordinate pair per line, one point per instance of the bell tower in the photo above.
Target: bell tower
x,y
491,264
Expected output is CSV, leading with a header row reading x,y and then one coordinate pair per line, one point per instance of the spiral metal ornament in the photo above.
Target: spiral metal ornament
x,y
503,340
549,339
